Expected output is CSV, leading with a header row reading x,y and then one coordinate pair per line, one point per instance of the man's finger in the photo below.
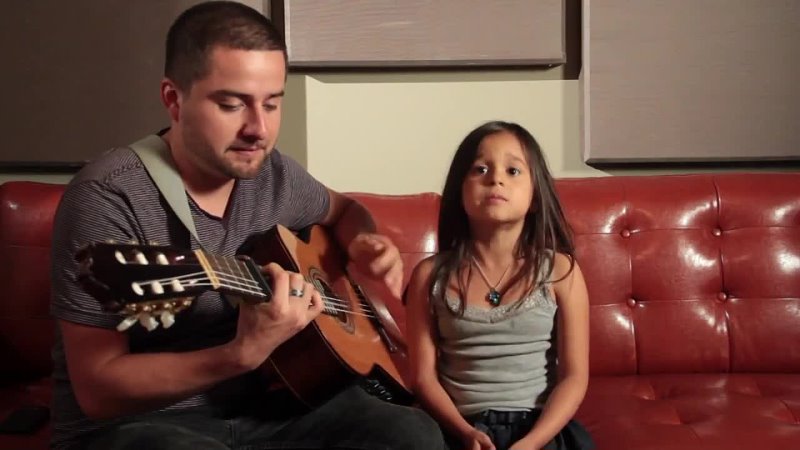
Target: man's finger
x,y
280,282
394,280
316,305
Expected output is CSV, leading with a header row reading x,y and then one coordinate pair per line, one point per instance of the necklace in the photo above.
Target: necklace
x,y
493,296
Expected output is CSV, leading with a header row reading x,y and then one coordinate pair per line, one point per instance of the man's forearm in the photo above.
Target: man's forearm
x,y
354,220
140,382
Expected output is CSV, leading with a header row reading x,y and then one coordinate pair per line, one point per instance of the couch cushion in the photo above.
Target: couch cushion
x,y
410,221
693,411
710,261
26,329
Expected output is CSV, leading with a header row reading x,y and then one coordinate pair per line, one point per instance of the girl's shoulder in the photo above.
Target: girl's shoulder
x,y
563,264
424,273
421,274
567,278
424,267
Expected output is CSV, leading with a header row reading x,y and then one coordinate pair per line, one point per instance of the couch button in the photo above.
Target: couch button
x,y
716,232
626,233
631,302
722,296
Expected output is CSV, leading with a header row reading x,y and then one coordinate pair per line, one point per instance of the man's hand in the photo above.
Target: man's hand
x,y
264,326
377,256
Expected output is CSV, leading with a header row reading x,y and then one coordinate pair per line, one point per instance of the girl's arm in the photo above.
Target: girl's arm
x,y
573,356
422,356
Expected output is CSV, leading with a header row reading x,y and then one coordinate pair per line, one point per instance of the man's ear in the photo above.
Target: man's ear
x,y
170,97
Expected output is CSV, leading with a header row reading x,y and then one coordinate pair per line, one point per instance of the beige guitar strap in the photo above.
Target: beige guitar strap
x,y
157,159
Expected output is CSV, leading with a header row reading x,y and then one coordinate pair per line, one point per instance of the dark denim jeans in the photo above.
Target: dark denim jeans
x,y
353,420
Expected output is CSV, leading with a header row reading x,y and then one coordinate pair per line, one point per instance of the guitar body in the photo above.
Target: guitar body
x,y
353,337
343,342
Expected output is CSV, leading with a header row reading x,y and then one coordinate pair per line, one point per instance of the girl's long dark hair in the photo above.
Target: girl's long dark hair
x,y
545,231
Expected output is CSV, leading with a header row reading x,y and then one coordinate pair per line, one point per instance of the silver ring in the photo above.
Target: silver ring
x,y
295,292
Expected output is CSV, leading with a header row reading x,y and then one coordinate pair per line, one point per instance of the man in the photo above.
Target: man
x,y
193,385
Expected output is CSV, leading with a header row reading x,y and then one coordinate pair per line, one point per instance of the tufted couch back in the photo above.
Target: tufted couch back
x,y
694,286
690,273
26,331
693,273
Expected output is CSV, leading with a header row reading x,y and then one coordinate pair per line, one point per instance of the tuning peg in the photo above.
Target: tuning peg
x,y
140,258
127,323
148,321
120,257
157,287
167,318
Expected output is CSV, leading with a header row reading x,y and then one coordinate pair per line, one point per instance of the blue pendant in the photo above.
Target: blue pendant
x,y
493,297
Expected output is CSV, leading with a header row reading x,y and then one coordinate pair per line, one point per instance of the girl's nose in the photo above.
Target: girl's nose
x,y
496,176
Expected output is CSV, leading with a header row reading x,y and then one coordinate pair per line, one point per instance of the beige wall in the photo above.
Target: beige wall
x,y
396,132
399,137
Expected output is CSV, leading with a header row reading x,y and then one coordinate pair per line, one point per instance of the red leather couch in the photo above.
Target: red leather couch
x,y
694,284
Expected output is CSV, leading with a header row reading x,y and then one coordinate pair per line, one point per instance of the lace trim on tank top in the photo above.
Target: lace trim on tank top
x,y
539,297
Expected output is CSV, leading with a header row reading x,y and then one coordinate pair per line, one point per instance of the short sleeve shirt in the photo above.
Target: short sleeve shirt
x,y
114,198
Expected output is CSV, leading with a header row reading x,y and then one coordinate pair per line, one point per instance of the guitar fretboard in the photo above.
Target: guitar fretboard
x,y
231,274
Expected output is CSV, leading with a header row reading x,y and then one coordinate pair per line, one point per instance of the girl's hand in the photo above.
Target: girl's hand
x,y
522,444
477,440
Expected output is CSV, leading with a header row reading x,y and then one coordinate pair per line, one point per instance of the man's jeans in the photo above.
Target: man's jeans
x,y
353,420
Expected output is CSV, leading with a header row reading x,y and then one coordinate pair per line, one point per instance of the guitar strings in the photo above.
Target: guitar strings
x,y
243,271
201,279
253,284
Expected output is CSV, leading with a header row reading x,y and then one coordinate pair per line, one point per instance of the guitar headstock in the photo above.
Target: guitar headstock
x,y
141,281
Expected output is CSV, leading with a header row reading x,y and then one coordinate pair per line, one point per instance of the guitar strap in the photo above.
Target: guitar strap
x,y
157,159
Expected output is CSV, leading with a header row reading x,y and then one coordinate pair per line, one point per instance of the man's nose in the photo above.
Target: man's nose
x,y
256,124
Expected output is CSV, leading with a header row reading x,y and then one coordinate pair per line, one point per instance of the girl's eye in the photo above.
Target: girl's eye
x,y
514,171
480,170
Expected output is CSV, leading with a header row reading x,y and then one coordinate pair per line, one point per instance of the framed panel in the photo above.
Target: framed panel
x,y
687,81
80,77
413,33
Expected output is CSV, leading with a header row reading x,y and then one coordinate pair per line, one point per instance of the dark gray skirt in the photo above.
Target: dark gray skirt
x,y
507,427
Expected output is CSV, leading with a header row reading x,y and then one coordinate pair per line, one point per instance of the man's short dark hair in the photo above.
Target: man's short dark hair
x,y
201,28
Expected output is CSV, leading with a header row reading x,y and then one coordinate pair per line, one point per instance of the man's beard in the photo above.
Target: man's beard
x,y
233,169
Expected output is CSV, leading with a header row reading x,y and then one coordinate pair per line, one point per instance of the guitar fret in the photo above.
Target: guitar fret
x,y
228,271
207,266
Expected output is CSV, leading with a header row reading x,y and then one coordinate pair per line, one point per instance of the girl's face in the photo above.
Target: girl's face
x,y
499,186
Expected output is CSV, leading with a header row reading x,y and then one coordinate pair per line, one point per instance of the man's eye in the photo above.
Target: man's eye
x,y
229,107
270,107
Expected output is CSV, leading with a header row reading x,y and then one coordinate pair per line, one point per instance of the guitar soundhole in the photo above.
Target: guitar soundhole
x,y
336,306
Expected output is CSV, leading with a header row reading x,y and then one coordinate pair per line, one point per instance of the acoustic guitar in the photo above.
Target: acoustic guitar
x,y
354,337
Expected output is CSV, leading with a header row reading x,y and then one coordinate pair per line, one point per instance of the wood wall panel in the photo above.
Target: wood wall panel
x,y
691,80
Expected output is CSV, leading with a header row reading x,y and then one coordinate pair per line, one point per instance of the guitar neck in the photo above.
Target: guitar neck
x,y
235,275
242,277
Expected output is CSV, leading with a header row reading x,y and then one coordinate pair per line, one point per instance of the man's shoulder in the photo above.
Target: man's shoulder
x,y
110,165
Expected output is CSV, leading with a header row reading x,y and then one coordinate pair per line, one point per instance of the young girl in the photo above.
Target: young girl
x,y
491,360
